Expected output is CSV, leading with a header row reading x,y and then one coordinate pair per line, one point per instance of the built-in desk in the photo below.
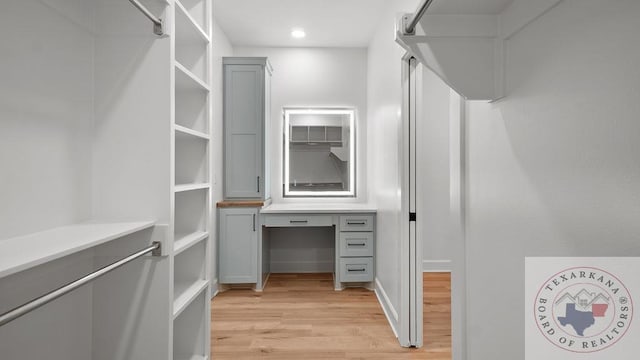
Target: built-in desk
x,y
354,229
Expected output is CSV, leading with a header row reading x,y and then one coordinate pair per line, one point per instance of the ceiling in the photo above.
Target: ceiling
x,y
468,6
327,23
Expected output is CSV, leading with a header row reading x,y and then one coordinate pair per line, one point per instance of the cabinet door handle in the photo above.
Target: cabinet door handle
x,y
258,183
356,222
254,222
356,270
357,244
298,221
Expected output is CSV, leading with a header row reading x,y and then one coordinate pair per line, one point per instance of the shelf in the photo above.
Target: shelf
x,y
193,32
189,187
187,294
190,211
191,160
192,110
24,252
185,131
186,80
191,329
184,242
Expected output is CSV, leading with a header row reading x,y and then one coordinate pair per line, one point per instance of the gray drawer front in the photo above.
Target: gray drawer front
x,y
276,220
356,223
356,244
356,269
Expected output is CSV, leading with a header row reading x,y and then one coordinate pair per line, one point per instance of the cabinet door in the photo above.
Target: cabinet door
x,y
238,249
244,118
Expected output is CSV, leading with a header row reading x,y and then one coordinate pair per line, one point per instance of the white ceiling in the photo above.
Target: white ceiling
x,y
328,23
468,6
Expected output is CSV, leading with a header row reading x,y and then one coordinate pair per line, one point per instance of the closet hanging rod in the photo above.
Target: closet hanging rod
x,y
11,315
410,22
157,22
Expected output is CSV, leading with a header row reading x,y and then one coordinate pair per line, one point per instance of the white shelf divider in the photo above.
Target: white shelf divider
x,y
181,11
182,243
24,252
190,187
185,79
183,130
187,293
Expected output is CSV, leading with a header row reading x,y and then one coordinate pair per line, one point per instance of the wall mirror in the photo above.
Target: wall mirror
x,y
319,152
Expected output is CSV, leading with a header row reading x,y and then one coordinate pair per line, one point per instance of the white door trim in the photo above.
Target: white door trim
x,y
411,250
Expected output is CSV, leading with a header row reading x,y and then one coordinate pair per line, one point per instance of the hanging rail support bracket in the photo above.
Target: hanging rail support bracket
x,y
158,250
158,27
410,21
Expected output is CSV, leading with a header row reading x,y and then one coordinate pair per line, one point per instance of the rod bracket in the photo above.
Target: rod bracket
x,y
406,20
158,27
158,250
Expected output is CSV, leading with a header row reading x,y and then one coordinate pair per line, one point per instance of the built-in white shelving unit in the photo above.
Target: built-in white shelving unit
x,y
191,153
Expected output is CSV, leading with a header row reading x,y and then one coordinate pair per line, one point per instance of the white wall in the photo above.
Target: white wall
x,y
384,99
432,147
46,124
318,77
221,48
553,168
46,117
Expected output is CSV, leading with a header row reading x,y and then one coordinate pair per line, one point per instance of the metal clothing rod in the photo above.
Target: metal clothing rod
x,y
411,23
157,23
47,298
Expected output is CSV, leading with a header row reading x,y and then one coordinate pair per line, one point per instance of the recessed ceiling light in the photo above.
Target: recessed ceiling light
x,y
298,33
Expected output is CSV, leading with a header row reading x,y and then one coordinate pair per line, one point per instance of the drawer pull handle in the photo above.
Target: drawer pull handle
x,y
356,223
298,221
357,244
356,270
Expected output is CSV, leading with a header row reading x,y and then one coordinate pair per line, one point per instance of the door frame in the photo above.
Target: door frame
x,y
411,301
411,307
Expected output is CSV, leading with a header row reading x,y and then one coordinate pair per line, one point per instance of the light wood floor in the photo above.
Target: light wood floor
x,y
301,317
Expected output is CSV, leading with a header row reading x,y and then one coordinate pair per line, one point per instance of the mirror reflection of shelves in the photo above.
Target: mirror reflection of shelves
x,y
310,135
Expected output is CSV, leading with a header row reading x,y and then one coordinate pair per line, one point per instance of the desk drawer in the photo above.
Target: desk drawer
x,y
277,220
356,223
356,244
356,269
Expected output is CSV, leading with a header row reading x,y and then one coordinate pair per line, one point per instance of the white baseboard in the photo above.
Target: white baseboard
x,y
436,266
389,311
302,266
214,288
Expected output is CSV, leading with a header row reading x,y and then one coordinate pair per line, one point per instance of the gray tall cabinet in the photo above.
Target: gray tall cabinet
x,y
247,89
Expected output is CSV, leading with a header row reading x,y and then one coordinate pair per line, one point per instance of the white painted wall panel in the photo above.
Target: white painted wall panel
x,y
432,143
553,168
46,119
384,99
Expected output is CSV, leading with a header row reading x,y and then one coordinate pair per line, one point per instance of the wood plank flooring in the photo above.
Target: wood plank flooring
x,y
300,316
